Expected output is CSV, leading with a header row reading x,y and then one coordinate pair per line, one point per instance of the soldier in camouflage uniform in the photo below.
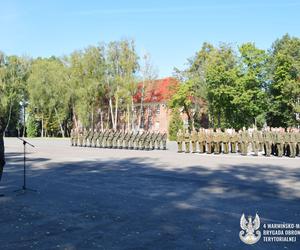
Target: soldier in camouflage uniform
x,y
85,137
233,140
187,139
72,137
194,140
110,137
293,142
100,138
164,140
239,143
158,140
76,137
80,137
298,140
126,139
115,139
244,141
152,140
267,136
105,138
179,140
225,140
217,140
209,140
95,137
90,137
121,139
279,141
147,141
201,140
134,140
260,140
255,141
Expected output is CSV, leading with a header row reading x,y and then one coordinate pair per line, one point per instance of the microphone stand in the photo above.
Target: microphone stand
x,y
24,188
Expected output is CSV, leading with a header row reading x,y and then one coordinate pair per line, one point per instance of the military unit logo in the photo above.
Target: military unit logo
x,y
250,233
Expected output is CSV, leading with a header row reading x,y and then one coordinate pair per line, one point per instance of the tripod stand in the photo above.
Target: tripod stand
x,y
24,188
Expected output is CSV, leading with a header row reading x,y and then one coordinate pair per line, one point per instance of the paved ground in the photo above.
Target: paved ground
x,y
90,198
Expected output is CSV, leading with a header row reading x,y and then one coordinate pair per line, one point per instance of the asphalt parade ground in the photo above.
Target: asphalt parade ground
x,y
91,198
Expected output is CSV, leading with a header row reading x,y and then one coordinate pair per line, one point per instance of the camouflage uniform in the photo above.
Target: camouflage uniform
x,y
201,140
293,143
244,141
90,137
233,141
105,137
187,139
158,140
134,140
95,137
164,141
115,139
279,139
85,136
217,138
81,138
255,141
267,141
121,139
194,140
209,140
126,139
72,137
260,140
179,140
298,141
147,141
153,139
100,139
225,142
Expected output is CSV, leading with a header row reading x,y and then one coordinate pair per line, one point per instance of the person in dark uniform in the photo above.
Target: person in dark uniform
x,y
2,158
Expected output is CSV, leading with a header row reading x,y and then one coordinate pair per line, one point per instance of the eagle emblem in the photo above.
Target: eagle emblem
x,y
250,233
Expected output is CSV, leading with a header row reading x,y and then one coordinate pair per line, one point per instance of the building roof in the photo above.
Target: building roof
x,y
157,91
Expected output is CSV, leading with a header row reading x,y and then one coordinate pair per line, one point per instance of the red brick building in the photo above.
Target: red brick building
x,y
155,113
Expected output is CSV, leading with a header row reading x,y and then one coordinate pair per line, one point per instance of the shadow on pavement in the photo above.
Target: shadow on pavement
x,y
130,204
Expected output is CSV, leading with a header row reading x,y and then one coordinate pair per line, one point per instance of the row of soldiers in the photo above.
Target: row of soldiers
x,y
121,139
276,141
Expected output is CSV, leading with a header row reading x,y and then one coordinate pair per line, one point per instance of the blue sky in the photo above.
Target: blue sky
x,y
171,31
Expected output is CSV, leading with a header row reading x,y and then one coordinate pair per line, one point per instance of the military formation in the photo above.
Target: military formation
x,y
119,139
271,141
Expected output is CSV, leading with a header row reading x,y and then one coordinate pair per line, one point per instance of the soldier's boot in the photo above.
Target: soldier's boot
x,y
164,146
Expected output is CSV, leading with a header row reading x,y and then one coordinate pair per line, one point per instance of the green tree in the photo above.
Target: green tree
x,y
284,88
175,124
